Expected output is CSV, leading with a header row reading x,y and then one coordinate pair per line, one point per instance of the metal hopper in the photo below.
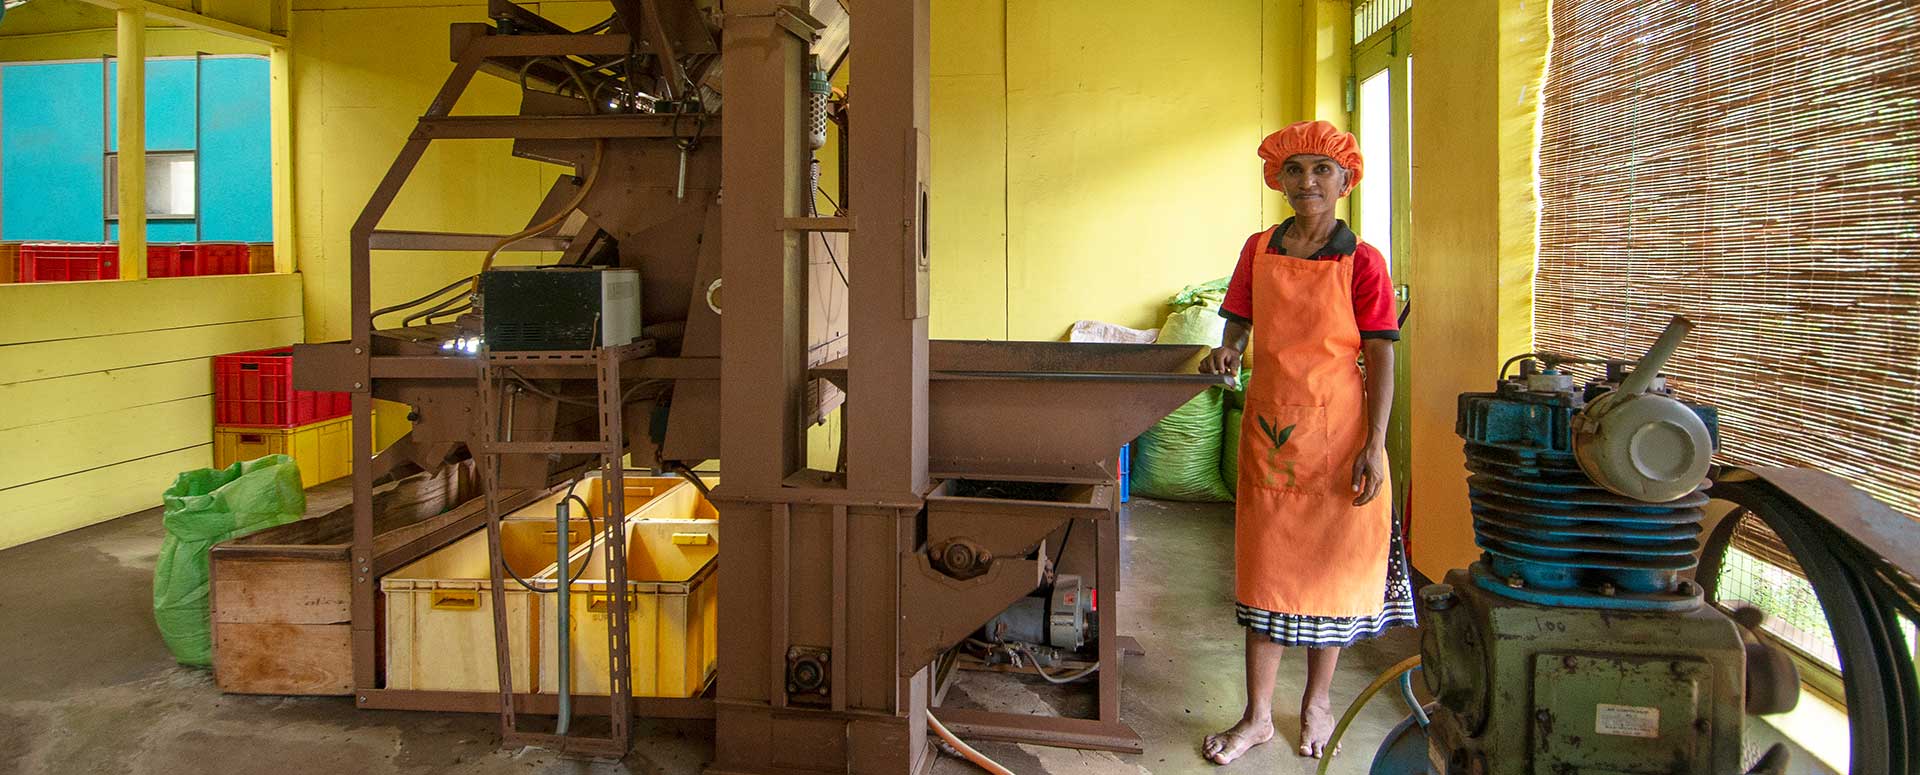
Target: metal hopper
x,y
1048,411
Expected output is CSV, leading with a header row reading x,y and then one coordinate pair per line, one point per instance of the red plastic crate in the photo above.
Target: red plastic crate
x,y
163,260
53,262
197,259
217,257
256,389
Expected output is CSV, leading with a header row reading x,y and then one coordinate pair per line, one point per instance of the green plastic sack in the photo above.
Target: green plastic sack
x,y
1179,458
203,508
1204,294
1230,450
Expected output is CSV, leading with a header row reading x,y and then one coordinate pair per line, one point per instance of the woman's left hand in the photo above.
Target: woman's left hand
x,y
1369,472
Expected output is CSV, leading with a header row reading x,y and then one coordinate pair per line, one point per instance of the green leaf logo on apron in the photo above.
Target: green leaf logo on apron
x,y
1279,438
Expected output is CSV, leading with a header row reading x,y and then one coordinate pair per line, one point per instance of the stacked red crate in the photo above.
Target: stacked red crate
x,y
255,389
52,262
197,259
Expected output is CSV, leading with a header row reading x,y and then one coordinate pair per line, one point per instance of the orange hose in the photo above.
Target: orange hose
x,y
593,173
979,759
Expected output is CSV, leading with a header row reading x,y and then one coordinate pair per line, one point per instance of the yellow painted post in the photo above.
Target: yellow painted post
x,y
132,115
280,63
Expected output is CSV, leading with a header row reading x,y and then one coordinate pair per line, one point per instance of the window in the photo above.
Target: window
x,y
172,191
1383,122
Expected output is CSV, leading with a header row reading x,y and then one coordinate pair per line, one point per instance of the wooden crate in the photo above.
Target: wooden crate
x,y
281,597
9,258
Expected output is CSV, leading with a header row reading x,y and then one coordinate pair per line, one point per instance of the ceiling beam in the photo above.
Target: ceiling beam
x,y
196,21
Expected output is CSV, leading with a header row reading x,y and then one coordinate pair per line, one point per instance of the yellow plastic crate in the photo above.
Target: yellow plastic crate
x,y
672,616
324,449
439,611
641,490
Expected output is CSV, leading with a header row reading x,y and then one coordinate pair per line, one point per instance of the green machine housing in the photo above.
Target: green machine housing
x,y
1575,645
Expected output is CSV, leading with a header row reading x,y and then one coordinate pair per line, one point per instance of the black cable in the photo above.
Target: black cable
x,y
680,467
829,243
468,280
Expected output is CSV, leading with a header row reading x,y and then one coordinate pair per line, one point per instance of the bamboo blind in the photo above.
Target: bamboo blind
x,y
1755,165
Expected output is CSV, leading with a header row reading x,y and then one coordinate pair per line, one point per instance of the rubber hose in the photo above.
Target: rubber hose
x,y
1391,675
593,174
979,759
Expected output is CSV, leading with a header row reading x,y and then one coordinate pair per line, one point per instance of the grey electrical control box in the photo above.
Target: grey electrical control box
x,y
560,308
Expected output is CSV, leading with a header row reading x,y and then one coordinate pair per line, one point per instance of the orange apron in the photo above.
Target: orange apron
x,y
1300,545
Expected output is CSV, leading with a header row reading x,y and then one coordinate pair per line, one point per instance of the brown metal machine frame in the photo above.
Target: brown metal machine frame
x,y
608,366
826,566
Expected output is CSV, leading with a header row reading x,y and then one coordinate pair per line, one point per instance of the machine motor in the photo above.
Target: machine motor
x,y
1576,644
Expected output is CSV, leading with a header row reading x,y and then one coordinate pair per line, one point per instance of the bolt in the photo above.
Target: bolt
x,y
1542,716
358,351
1686,587
1516,582
356,386
1701,725
1570,662
1607,589
363,698
1437,597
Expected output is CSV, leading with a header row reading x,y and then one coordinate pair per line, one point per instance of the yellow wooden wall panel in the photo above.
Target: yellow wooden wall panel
x,y
48,360
39,312
1131,167
1475,75
67,398
55,506
361,80
55,449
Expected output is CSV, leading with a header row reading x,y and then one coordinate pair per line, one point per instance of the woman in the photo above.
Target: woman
x,y
1314,547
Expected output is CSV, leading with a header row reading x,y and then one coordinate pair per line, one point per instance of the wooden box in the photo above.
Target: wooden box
x,y
282,611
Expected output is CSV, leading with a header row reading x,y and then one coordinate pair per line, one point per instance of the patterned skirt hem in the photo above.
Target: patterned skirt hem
x,y
1299,630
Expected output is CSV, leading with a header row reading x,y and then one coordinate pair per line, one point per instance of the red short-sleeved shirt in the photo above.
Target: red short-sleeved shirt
x,y
1373,305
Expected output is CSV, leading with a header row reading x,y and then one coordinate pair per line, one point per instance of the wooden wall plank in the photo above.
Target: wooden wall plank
x,y
39,312
54,506
47,360
65,398
57,449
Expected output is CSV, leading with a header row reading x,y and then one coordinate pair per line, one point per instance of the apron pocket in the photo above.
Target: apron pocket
x,y
1285,448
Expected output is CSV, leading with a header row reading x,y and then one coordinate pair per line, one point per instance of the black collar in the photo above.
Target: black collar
x,y
1340,243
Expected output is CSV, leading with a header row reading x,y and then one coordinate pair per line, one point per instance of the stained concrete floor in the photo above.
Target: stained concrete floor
x,y
89,687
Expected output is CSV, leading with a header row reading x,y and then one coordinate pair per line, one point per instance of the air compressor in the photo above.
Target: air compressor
x,y
1577,643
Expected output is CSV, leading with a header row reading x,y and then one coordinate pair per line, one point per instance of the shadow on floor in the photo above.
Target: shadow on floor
x,y
90,688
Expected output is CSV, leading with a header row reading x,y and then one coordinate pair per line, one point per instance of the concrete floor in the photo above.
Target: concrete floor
x,y
89,687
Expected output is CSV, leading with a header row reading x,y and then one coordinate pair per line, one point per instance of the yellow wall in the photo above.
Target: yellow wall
x,y
1477,69
96,43
1130,171
106,388
1119,136
361,76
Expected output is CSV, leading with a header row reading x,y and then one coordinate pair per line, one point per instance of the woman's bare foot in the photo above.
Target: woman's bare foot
x,y
1316,725
1227,746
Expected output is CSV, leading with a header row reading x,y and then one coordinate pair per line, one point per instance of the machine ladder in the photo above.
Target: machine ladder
x,y
499,384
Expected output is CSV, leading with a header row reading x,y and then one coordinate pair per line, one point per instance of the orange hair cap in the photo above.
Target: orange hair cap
x,y
1318,138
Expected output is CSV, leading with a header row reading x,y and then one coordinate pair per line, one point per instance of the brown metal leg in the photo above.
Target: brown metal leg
x,y
613,475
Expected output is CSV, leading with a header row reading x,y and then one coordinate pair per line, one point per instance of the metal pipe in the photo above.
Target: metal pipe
x,y
1656,358
564,634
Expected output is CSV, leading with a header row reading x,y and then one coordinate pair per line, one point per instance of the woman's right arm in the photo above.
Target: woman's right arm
x,y
1225,359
